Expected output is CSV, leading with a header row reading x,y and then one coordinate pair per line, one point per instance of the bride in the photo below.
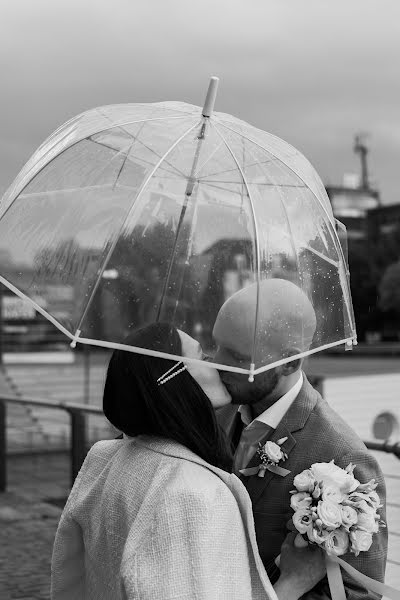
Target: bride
x,y
157,515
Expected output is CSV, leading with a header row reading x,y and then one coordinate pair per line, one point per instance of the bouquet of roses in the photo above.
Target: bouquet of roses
x,y
334,510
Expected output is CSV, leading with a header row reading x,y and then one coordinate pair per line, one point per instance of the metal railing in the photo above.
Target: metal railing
x,y
77,413
79,439
385,447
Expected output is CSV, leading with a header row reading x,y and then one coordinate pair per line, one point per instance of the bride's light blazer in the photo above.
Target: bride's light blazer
x,y
147,519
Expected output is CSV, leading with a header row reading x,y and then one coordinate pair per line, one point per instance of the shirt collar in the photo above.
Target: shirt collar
x,y
274,414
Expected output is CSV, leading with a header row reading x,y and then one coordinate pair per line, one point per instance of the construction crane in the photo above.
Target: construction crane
x,y
361,148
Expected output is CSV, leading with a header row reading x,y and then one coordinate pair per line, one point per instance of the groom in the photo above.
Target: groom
x,y
281,404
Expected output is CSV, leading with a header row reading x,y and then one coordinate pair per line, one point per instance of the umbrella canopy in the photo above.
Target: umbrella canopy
x,y
161,212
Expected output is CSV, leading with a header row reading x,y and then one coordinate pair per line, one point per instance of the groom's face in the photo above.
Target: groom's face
x,y
244,391
238,385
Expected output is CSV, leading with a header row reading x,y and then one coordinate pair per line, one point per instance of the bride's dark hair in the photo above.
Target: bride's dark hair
x,y
178,409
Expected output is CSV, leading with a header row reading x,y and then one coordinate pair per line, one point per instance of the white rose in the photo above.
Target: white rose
x,y
366,522
273,451
358,501
349,516
332,493
337,543
360,541
318,535
374,498
302,520
334,476
329,513
300,500
304,481
367,487
317,491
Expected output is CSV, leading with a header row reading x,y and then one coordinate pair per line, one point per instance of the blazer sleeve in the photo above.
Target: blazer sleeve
x,y
196,547
373,562
67,564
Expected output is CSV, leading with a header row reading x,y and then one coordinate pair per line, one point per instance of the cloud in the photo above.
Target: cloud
x,y
313,72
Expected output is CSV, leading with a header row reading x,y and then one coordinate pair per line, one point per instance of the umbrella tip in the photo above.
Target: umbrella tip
x,y
210,98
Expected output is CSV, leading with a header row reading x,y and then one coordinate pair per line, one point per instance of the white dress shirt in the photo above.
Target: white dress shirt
x,y
274,414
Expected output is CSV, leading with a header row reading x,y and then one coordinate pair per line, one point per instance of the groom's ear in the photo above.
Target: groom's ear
x,y
294,365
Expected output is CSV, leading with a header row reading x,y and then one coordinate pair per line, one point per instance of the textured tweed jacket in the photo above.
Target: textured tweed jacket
x,y
148,519
315,433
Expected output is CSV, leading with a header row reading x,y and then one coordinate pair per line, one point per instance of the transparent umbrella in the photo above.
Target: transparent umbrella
x,y
146,212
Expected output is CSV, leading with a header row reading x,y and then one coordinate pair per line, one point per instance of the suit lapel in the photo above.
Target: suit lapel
x,y
294,420
230,421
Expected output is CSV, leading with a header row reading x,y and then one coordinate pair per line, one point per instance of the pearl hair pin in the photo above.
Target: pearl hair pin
x,y
166,377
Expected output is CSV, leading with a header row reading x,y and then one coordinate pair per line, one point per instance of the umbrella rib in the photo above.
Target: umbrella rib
x,y
206,161
147,147
127,154
246,137
336,242
28,177
280,185
284,361
320,255
264,162
257,245
153,104
140,142
36,306
114,243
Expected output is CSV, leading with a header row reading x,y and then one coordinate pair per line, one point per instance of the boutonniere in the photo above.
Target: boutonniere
x,y
270,454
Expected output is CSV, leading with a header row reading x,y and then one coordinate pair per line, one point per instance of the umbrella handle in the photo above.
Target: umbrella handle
x,y
210,98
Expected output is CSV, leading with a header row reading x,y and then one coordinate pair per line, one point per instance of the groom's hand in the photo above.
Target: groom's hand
x,y
301,568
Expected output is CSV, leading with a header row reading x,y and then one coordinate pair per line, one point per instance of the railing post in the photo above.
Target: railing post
x,y
78,441
3,446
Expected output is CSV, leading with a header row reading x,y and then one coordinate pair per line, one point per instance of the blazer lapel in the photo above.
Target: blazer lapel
x,y
294,420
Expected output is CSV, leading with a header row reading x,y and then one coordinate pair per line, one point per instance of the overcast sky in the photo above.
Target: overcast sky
x,y
313,72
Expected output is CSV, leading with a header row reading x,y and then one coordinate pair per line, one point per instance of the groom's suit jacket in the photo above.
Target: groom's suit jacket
x,y
315,433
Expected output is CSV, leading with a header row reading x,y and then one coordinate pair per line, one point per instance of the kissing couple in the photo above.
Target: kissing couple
x,y
176,508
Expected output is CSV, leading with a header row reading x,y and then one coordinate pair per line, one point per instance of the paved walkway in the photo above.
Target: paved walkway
x,y
27,533
28,523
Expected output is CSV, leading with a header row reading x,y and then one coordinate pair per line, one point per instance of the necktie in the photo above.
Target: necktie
x,y
251,436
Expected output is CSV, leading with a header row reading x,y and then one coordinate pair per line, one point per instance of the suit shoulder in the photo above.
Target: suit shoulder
x,y
334,429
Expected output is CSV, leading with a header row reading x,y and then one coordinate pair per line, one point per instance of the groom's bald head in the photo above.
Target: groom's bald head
x,y
285,322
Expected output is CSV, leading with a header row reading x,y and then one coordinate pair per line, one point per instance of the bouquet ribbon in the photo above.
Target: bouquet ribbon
x,y
260,470
333,564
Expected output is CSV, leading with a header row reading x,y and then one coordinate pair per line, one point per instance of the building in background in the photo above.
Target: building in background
x,y
373,234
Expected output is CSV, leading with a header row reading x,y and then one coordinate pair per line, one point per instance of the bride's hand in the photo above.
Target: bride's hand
x,y
301,569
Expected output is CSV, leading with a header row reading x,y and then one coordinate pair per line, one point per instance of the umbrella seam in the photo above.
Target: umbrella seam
x,y
136,138
284,361
36,306
338,246
134,204
277,158
30,178
257,244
